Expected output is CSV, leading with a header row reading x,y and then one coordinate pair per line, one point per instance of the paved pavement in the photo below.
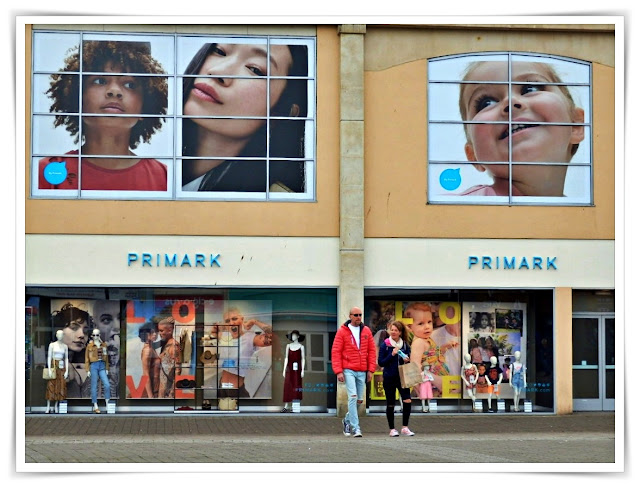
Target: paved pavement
x,y
202,440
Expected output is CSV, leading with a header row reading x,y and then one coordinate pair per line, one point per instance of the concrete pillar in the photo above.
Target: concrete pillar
x,y
563,347
351,292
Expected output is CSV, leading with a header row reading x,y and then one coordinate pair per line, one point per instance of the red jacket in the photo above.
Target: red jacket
x,y
346,355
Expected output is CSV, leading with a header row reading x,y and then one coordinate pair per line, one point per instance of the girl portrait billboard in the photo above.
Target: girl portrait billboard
x,y
509,128
99,117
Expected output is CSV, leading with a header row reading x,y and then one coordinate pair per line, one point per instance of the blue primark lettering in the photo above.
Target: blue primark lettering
x,y
171,260
511,262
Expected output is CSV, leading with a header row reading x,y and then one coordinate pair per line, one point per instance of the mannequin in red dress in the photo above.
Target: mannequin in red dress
x,y
293,370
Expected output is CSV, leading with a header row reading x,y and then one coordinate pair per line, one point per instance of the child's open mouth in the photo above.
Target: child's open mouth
x,y
516,128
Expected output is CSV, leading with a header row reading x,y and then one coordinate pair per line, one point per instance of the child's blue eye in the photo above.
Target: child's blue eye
x,y
483,102
531,89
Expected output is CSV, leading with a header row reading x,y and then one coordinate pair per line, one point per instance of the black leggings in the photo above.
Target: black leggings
x,y
390,386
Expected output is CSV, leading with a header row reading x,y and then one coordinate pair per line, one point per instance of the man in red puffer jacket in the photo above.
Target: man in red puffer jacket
x,y
353,359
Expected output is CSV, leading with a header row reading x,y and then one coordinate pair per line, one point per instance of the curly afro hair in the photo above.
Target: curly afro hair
x,y
131,57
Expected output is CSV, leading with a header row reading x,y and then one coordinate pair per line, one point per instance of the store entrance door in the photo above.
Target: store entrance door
x,y
593,362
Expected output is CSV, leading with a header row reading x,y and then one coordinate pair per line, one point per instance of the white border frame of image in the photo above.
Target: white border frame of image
x,y
490,307
449,72
228,471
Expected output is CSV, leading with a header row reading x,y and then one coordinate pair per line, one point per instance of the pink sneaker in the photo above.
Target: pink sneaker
x,y
406,431
393,433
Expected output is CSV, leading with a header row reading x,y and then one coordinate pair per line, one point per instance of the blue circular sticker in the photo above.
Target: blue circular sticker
x,y
450,179
55,172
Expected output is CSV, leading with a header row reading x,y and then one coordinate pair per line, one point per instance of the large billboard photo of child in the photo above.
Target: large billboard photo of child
x,y
98,113
509,128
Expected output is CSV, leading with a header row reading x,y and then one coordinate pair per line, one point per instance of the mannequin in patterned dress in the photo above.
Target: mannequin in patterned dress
x,y
469,374
293,370
58,359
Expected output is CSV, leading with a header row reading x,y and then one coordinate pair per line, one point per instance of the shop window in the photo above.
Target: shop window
x,y
510,129
169,116
317,353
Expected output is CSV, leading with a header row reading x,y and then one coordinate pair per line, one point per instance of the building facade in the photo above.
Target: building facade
x,y
244,182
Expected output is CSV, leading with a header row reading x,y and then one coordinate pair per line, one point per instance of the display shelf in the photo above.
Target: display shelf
x,y
211,385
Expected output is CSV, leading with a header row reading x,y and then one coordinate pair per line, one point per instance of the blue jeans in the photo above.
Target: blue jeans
x,y
98,368
355,381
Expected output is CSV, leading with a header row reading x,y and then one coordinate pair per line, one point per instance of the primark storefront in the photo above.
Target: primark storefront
x,y
520,308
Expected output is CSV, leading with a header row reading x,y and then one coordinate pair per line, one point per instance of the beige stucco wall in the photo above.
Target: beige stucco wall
x,y
563,350
392,46
396,145
213,218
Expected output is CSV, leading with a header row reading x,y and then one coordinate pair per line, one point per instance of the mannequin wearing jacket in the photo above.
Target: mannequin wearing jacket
x,y
96,363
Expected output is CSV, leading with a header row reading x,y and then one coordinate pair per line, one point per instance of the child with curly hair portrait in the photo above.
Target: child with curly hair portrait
x,y
118,110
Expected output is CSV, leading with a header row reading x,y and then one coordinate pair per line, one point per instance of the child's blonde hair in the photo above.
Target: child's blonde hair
x,y
550,71
418,306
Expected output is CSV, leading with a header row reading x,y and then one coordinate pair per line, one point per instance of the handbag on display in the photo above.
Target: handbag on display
x,y
410,374
49,374
227,404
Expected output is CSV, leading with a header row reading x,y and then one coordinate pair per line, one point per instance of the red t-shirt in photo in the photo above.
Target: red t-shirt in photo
x,y
145,175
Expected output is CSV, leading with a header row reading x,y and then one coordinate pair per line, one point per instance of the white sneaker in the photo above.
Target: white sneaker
x,y
357,433
406,431
393,433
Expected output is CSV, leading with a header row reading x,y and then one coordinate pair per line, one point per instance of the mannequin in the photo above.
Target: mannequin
x,y
58,356
469,374
96,363
517,379
494,378
424,389
293,370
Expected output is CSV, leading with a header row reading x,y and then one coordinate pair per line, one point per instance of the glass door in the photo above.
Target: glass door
x,y
593,362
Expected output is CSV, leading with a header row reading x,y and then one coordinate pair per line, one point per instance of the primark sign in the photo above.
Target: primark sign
x,y
175,260
513,262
